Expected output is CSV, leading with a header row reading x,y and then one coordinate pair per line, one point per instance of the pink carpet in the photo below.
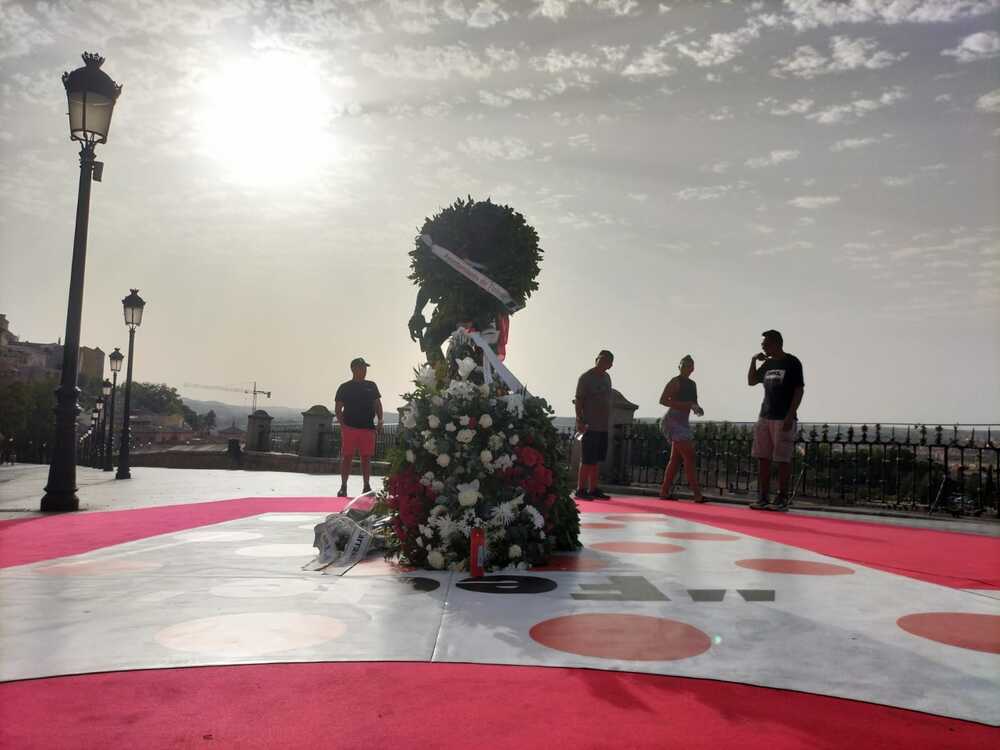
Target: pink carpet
x,y
445,706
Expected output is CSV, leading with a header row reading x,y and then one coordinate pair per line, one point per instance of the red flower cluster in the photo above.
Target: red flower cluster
x,y
537,478
410,500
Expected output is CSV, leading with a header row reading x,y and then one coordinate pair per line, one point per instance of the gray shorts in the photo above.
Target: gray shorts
x,y
772,442
675,425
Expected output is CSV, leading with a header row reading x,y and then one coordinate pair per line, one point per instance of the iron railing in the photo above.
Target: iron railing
x,y
896,465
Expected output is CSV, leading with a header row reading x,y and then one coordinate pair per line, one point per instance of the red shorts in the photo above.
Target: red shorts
x,y
357,440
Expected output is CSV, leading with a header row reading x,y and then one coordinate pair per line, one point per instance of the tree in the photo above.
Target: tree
x,y
193,420
156,398
208,420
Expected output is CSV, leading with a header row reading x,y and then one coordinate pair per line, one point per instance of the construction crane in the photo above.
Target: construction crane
x,y
254,391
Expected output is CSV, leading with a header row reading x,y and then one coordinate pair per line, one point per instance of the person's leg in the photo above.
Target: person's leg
x,y
673,466
366,472
784,473
687,453
601,452
584,482
345,470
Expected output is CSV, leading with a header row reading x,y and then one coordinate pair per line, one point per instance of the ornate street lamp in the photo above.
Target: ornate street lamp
x,y
133,305
95,462
91,95
95,419
115,358
106,388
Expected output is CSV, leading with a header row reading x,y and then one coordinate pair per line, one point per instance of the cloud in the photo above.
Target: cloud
x,y
894,182
555,61
982,45
811,14
556,10
20,32
429,63
775,157
850,144
492,149
494,100
652,63
786,248
858,108
721,47
719,167
845,54
989,102
504,59
640,197
708,192
487,13
722,113
814,201
798,107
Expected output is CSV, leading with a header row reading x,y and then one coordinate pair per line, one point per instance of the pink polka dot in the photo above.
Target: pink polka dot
x,y
795,567
628,637
641,548
962,629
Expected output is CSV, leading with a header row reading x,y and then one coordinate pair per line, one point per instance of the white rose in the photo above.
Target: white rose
x,y
433,422
410,456
430,446
437,485
443,460
436,559
514,552
466,367
437,401
486,421
409,421
464,420
465,436
469,494
496,441
485,457
514,439
450,427
427,478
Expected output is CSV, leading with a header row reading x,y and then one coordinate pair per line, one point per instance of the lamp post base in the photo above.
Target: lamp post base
x,y
60,502
123,474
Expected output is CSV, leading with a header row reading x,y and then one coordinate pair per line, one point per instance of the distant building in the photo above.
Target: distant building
x,y
27,360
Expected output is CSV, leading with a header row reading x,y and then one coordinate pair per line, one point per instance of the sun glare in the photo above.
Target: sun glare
x,y
267,120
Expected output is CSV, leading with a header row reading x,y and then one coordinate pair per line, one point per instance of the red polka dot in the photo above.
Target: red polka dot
x,y
698,535
637,518
962,629
795,567
602,526
629,637
643,548
572,562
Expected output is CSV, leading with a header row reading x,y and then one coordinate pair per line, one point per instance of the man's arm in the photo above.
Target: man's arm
x,y
578,402
793,410
338,409
378,413
753,376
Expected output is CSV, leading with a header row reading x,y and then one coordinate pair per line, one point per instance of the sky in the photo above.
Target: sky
x,y
697,172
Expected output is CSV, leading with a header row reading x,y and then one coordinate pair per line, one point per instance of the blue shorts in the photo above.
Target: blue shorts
x,y
675,425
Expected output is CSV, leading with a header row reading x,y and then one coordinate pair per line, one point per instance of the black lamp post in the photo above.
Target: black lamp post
x,y
95,420
133,305
95,461
91,95
115,358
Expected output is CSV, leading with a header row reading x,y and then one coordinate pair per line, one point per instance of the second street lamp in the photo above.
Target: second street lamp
x,y
99,444
133,305
115,358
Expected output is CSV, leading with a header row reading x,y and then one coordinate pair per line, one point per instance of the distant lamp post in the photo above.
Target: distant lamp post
x,y
133,305
91,95
115,358
95,420
98,433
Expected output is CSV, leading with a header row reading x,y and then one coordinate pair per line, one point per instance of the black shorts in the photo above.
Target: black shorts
x,y
595,447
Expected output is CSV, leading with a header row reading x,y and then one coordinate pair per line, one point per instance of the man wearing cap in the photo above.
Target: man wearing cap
x,y
358,404
593,414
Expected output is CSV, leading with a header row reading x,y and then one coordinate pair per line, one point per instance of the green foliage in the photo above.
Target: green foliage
x,y
156,398
482,232
26,411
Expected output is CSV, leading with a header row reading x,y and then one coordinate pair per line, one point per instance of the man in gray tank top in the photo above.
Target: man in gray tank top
x,y
593,414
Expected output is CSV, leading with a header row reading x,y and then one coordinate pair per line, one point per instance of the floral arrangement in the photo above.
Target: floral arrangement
x,y
472,455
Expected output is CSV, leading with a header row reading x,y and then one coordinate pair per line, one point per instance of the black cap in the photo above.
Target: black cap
x,y
359,362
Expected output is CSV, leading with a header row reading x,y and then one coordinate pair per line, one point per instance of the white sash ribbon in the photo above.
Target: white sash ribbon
x,y
478,278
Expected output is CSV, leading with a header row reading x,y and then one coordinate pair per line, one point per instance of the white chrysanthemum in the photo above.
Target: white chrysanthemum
x,y
536,518
437,401
426,376
433,422
436,559
497,441
485,457
514,552
502,514
437,485
515,403
430,446
465,436
410,456
461,390
450,427
466,367
443,460
514,440
409,420
446,526
486,421
518,500
469,494
426,531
